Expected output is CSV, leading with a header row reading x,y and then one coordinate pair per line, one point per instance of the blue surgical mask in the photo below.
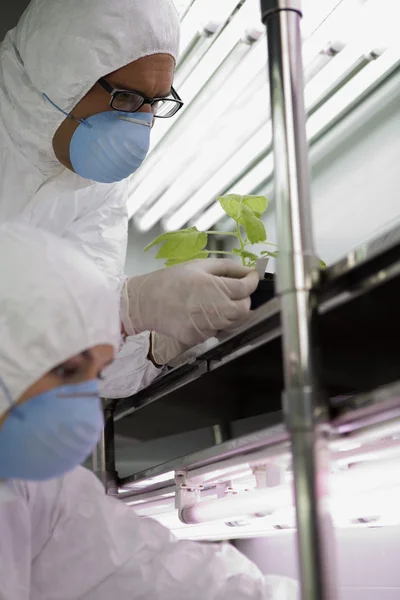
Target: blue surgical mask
x,y
109,146
51,433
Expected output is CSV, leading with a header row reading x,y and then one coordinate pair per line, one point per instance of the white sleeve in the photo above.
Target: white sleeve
x,y
27,517
131,370
101,230
102,233
95,547
95,217
15,549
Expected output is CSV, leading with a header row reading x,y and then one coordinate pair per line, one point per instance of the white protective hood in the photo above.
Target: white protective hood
x,y
54,304
61,48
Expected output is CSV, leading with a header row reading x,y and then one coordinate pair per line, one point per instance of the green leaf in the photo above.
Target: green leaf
x,y
254,228
180,244
257,204
176,261
161,238
232,205
269,253
250,263
322,264
249,255
245,253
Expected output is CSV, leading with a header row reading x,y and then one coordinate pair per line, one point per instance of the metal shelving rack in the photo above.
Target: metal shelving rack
x,y
304,403
325,334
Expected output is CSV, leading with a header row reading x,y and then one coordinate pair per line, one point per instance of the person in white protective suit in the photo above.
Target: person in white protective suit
x,y
81,82
63,538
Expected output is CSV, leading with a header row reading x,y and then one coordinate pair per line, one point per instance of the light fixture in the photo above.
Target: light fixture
x,y
253,146
330,112
378,508
361,494
196,50
353,92
248,16
206,91
206,68
142,484
240,129
209,122
319,88
182,6
316,90
181,175
182,169
251,181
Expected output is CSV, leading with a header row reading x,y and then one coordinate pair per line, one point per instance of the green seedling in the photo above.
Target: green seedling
x,y
246,212
189,244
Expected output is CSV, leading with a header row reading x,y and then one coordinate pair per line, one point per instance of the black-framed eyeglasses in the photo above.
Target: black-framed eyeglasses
x,y
131,101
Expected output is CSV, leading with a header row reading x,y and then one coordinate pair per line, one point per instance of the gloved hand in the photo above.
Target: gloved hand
x,y
165,350
189,302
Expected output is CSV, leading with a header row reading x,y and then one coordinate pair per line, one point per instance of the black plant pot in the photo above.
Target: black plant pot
x,y
265,291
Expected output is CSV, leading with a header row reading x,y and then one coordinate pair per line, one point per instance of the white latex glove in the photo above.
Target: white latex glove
x,y
165,350
189,302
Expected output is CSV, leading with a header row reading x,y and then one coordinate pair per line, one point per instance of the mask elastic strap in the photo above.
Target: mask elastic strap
x,y
64,112
6,493
6,393
13,407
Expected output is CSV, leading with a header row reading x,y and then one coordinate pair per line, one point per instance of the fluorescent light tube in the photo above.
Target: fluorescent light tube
x,y
177,176
170,165
332,110
364,494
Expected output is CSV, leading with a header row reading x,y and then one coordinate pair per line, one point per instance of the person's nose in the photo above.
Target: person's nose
x,y
146,108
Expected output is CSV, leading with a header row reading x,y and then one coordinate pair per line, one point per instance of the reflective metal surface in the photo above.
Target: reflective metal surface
x,y
385,243
103,457
364,418
176,378
305,406
237,449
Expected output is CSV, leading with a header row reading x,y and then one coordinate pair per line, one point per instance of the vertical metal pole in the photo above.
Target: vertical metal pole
x,y
104,455
304,403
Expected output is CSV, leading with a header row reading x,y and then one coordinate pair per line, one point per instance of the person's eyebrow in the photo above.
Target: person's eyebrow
x,y
118,86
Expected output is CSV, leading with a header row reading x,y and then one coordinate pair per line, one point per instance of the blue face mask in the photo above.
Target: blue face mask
x,y
109,146
51,433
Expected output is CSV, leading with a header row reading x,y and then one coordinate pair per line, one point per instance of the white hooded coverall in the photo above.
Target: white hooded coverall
x,y
66,540
61,48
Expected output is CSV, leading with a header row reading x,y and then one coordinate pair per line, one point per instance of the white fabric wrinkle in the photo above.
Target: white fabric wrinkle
x,y
111,552
54,305
128,367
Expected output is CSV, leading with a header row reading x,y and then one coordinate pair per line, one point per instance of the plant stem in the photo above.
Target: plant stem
x,y
221,252
221,233
241,242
